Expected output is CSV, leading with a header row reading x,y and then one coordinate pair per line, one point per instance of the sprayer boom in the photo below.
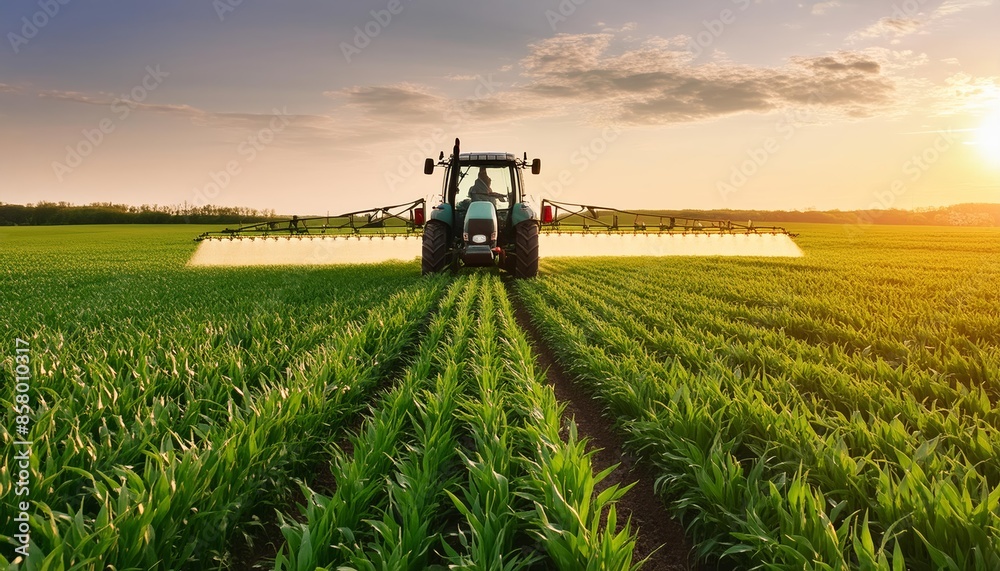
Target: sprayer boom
x,y
400,219
578,230
565,217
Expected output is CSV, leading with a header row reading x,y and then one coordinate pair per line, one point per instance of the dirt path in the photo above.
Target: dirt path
x,y
656,528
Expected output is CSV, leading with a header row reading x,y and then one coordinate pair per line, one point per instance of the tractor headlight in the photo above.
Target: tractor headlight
x,y
479,239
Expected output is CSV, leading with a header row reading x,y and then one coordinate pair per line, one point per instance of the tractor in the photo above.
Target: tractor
x,y
483,219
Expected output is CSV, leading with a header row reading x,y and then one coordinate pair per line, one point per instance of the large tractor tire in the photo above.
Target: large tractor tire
x,y
526,241
434,256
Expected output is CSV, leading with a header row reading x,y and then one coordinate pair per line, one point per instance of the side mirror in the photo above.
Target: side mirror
x,y
429,166
536,166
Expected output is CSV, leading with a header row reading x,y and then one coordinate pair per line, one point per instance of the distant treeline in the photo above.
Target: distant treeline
x,y
957,215
52,213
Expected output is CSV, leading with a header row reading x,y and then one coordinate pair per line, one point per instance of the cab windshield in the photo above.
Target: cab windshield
x,y
484,183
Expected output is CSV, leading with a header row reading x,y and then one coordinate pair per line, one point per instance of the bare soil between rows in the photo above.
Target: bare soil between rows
x,y
659,536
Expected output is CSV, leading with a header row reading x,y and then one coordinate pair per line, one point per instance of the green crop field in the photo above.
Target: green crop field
x,y
832,412
837,411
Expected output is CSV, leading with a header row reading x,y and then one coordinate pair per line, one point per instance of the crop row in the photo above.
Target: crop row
x,y
159,428
776,450
826,381
465,463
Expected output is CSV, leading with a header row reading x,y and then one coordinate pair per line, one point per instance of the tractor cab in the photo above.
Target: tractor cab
x,y
485,179
482,216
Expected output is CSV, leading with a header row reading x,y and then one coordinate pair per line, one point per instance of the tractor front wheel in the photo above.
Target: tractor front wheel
x,y
526,257
434,257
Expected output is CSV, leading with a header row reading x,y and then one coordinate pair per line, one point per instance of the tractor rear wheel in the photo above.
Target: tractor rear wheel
x,y
526,242
434,256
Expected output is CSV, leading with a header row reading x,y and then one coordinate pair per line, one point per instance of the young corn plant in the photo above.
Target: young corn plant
x,y
490,510
405,534
334,526
568,508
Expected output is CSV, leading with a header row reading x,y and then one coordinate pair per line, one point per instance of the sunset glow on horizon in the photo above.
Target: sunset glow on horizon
x,y
988,136
311,107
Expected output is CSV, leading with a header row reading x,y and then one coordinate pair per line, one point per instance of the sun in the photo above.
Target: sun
x,y
988,137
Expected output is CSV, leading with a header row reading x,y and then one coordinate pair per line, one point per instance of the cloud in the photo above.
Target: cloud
x,y
657,83
301,128
906,21
627,27
461,77
404,101
847,62
4,88
600,78
962,93
891,28
951,7
590,78
566,53
401,108
74,96
822,8
105,100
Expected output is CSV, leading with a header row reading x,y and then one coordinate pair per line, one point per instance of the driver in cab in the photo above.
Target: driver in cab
x,y
481,190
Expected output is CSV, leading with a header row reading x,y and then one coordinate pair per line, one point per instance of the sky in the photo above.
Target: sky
x,y
309,107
